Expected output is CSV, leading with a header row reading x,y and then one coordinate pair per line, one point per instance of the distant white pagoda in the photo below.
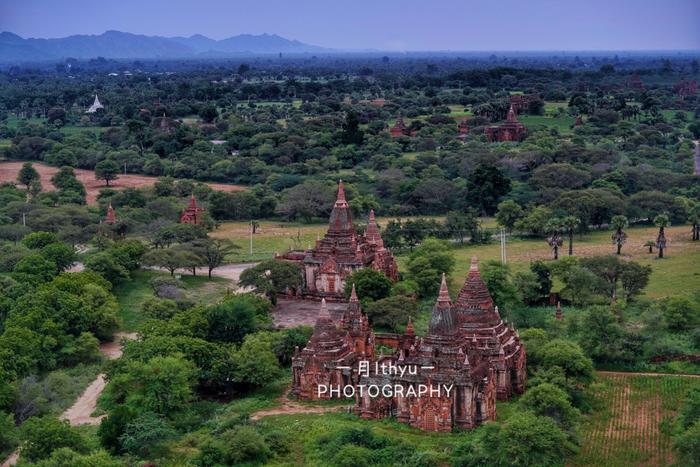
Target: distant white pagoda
x,y
95,106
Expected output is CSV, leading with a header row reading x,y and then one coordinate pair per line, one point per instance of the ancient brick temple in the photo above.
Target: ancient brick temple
x,y
111,217
332,350
510,130
400,129
340,253
192,213
468,348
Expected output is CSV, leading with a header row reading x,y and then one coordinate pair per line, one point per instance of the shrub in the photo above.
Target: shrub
x,y
41,436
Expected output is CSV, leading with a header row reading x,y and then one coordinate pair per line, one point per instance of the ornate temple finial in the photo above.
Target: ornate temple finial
x,y
409,327
558,315
496,310
466,359
341,192
353,295
324,310
371,216
474,267
511,114
444,296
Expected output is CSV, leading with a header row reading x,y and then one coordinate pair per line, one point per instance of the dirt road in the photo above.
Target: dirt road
x,y
80,413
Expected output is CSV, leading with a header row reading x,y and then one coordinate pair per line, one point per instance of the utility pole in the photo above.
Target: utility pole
x,y
251,238
504,260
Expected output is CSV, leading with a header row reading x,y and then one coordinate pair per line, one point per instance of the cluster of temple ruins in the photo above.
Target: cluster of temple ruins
x,y
468,348
509,130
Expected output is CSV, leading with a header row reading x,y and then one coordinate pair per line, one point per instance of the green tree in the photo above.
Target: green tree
x,y
570,357
255,362
427,263
232,319
113,426
60,254
661,221
38,240
526,439
619,237
106,170
27,175
509,212
213,251
41,436
485,186
272,278
391,313
687,445
163,385
570,223
105,264
547,400
496,276
369,284
145,432
8,432
461,225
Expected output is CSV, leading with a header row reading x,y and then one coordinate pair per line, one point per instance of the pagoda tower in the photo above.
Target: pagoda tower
x,y
192,213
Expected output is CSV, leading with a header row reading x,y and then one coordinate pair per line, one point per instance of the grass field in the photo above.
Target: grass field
x,y
632,421
132,293
562,124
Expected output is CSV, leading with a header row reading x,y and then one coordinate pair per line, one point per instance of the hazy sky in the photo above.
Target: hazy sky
x,y
380,24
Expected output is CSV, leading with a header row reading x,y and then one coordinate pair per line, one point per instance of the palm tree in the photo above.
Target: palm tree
x,y
570,223
694,219
619,238
554,240
661,221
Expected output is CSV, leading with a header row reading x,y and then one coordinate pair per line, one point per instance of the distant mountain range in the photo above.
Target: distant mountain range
x,y
116,44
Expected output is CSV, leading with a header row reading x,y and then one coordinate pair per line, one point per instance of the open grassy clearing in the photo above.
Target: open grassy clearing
x,y
632,421
132,293
677,274
562,124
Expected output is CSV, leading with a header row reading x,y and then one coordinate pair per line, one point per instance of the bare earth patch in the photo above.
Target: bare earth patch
x,y
293,313
289,407
9,170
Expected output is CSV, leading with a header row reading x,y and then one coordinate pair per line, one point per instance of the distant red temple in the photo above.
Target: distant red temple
x,y
111,217
510,130
400,129
192,213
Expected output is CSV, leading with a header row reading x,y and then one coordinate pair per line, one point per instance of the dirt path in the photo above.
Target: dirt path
x,y
289,407
80,413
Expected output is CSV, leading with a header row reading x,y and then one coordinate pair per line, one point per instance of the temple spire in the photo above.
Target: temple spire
x,y
323,313
353,295
340,201
511,114
444,295
558,315
409,327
